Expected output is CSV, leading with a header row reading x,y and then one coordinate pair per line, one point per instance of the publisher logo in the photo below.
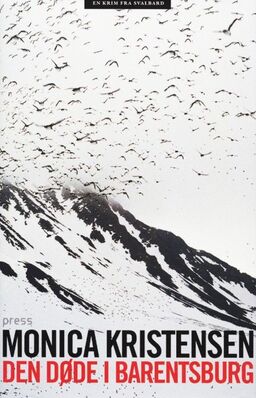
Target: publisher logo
x,y
128,4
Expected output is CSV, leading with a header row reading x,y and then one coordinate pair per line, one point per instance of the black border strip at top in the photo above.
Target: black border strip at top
x,y
127,4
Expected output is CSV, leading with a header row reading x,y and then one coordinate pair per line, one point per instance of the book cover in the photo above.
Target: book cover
x,y
127,198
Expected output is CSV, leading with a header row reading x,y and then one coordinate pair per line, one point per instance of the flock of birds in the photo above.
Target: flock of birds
x,y
125,102
112,102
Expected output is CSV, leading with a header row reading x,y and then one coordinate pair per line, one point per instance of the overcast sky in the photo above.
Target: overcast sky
x,y
149,127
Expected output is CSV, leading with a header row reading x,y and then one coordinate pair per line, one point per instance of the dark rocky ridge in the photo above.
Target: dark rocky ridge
x,y
103,216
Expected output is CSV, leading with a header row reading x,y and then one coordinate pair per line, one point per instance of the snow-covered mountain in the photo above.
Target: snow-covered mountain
x,y
79,250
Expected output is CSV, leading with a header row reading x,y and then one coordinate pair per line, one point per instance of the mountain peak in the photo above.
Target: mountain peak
x,y
94,239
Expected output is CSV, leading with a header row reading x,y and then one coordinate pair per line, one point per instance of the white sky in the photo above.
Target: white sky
x,y
214,212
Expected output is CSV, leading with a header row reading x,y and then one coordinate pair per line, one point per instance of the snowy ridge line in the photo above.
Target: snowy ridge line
x,y
93,254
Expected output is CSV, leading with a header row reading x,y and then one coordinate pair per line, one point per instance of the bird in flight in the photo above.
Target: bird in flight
x,y
228,30
204,154
59,67
200,174
51,125
199,102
